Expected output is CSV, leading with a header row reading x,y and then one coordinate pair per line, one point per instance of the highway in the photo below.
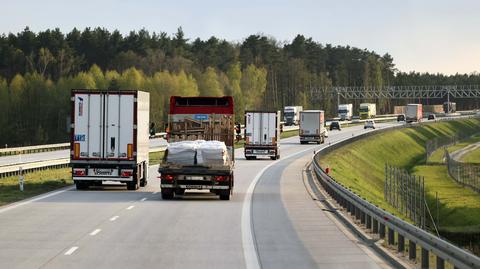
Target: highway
x,y
271,222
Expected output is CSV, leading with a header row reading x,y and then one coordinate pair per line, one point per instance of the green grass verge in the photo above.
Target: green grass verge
x,y
155,157
34,184
472,157
361,164
438,155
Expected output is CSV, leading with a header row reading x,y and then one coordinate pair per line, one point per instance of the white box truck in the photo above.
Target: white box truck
x,y
312,126
262,134
367,111
345,111
414,113
291,115
109,137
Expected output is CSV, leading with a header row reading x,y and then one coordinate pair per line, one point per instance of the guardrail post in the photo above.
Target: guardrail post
x,y
401,243
425,258
375,226
412,250
382,230
391,236
362,217
369,221
440,263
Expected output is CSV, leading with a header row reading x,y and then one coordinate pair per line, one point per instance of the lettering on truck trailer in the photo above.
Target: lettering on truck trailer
x,y
200,117
80,137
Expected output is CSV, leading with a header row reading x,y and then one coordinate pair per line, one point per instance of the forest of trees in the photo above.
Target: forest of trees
x,y
38,70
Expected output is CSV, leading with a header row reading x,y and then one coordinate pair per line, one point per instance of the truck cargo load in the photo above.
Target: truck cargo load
x,y
262,134
109,137
201,130
312,126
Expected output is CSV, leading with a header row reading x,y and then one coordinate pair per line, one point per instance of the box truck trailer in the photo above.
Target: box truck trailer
x,y
109,137
413,113
312,126
291,115
201,151
345,111
262,134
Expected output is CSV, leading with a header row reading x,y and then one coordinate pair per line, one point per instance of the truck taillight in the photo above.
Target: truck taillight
x,y
167,177
220,178
76,150
126,173
130,151
79,172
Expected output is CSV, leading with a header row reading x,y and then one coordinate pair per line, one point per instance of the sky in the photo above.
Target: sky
x,y
421,35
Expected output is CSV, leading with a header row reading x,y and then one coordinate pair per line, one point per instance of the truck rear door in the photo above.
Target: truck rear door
x,y
268,129
119,126
88,124
252,128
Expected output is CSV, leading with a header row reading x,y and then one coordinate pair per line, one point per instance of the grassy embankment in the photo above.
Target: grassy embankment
x,y
361,164
438,155
472,157
34,184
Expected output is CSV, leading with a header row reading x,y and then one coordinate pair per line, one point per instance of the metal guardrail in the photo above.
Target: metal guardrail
x,y
49,147
382,222
14,170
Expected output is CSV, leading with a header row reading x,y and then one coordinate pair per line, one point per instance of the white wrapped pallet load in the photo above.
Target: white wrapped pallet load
x,y
182,152
212,153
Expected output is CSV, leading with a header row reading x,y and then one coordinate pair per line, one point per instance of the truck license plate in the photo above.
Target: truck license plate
x,y
194,178
103,172
261,151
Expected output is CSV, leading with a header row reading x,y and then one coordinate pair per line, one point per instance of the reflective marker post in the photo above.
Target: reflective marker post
x,y
20,178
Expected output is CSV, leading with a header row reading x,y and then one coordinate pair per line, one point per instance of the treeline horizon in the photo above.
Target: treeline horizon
x,y
38,70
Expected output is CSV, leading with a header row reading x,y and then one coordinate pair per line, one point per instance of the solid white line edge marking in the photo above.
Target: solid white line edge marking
x,y
96,231
71,250
130,207
40,197
114,218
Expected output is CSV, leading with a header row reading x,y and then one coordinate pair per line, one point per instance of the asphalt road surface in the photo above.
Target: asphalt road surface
x,y
270,222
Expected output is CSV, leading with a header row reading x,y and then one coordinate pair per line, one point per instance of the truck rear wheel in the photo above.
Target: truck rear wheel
x,y
225,195
273,157
131,186
167,194
80,185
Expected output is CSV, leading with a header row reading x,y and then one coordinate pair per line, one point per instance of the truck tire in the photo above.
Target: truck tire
x,y
303,142
132,186
278,157
167,194
273,158
144,180
143,183
224,195
81,185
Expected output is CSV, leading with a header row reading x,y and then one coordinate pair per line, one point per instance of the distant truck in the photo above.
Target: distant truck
x,y
449,107
196,119
109,137
262,134
345,111
367,111
291,115
312,126
414,113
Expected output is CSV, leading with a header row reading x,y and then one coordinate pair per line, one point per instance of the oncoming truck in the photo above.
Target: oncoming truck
x,y
291,115
109,137
200,154
262,134
345,111
312,126
367,111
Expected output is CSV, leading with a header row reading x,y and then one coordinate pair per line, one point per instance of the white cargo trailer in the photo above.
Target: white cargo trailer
x,y
312,127
109,137
262,134
414,113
